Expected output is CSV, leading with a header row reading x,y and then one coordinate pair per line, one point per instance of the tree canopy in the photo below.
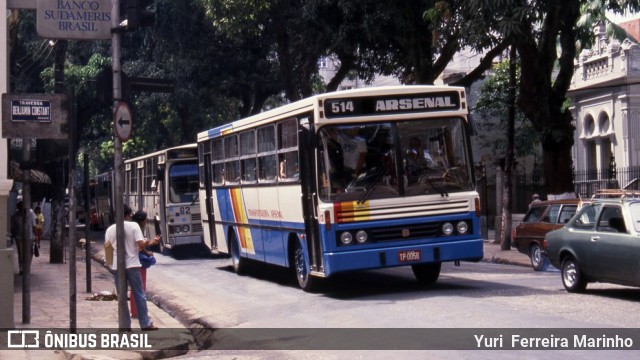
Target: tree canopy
x,y
234,58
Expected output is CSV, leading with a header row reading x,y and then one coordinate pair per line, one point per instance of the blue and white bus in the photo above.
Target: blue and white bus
x,y
165,185
351,180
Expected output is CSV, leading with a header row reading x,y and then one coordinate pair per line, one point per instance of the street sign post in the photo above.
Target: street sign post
x,y
35,116
123,121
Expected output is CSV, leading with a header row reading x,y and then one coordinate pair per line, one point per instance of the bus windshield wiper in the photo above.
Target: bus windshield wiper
x,y
372,184
442,192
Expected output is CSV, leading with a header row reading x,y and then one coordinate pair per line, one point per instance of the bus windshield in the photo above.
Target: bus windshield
x,y
183,182
358,162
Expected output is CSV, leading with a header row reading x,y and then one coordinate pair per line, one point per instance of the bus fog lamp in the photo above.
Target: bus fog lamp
x,y
346,238
361,236
447,228
462,227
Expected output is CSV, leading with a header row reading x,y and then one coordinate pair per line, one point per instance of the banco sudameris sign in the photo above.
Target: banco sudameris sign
x,y
76,19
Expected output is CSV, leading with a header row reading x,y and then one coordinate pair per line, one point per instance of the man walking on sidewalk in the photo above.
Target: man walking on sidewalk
x,y
134,241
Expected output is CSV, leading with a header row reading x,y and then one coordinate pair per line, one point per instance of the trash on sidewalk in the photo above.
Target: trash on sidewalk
x,y
103,296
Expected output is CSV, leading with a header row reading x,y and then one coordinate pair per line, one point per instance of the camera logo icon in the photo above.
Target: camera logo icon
x,y
23,339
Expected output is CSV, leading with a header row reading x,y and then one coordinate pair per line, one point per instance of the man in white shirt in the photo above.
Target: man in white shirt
x,y
134,241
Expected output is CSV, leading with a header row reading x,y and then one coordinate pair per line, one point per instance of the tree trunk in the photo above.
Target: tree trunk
x,y
558,166
505,241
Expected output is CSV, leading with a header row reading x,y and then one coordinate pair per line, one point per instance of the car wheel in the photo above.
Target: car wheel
x,y
236,259
426,274
572,277
539,261
306,282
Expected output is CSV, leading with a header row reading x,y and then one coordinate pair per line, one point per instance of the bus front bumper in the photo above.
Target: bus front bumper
x,y
185,240
466,250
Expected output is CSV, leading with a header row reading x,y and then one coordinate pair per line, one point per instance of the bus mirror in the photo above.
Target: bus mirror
x,y
154,185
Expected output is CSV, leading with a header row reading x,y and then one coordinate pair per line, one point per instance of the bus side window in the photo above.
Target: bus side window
x,y
267,158
217,165
248,156
288,149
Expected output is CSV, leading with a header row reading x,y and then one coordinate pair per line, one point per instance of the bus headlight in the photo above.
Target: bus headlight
x,y
361,236
462,227
185,228
346,238
447,228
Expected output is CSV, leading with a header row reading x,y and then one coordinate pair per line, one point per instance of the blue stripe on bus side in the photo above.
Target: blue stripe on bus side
x,y
215,132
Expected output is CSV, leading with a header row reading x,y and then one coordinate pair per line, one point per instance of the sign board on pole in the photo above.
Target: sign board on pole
x,y
80,20
123,121
35,116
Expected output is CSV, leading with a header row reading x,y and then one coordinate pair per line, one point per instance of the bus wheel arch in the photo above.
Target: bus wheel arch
x,y
299,261
237,261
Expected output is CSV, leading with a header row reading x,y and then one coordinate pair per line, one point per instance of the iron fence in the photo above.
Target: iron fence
x,y
586,183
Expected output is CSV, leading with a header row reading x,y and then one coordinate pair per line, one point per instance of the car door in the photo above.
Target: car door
x,y
580,241
614,254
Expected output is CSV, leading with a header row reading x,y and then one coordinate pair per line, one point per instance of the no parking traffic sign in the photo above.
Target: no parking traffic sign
x,y
123,121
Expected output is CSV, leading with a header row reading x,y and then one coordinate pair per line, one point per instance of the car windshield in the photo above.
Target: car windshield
x,y
394,159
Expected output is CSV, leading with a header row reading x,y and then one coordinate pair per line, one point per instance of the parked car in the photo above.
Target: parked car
x,y
601,243
542,217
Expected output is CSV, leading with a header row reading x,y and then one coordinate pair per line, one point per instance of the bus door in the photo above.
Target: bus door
x,y
310,194
208,219
161,226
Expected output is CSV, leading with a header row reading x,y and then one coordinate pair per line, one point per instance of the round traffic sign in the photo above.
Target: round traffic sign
x,y
123,121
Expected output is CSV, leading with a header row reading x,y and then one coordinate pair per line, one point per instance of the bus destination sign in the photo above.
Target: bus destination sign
x,y
387,105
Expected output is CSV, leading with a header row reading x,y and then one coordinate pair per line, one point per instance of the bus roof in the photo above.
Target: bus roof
x,y
314,102
159,152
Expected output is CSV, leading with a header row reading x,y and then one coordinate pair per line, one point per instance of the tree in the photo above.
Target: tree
x,y
504,130
489,115
546,43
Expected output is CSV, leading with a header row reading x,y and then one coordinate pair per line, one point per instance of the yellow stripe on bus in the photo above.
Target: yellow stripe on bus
x,y
352,211
240,213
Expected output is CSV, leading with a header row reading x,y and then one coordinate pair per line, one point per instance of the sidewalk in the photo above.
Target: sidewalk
x,y
50,309
493,253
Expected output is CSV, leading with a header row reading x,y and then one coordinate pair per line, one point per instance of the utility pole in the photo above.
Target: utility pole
x,y
118,166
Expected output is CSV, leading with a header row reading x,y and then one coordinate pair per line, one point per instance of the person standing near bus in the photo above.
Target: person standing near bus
x,y
134,241
18,230
145,256
39,225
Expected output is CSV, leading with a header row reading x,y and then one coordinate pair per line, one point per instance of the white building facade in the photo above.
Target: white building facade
x,y
605,97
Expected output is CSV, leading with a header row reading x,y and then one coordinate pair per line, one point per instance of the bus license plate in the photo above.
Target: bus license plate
x,y
409,256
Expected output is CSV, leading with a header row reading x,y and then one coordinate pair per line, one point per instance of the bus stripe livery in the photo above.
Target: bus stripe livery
x,y
345,181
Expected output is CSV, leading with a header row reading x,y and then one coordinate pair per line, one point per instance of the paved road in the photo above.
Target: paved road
x,y
474,295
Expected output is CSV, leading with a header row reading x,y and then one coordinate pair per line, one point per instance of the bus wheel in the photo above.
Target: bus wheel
x,y
427,274
236,259
307,282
